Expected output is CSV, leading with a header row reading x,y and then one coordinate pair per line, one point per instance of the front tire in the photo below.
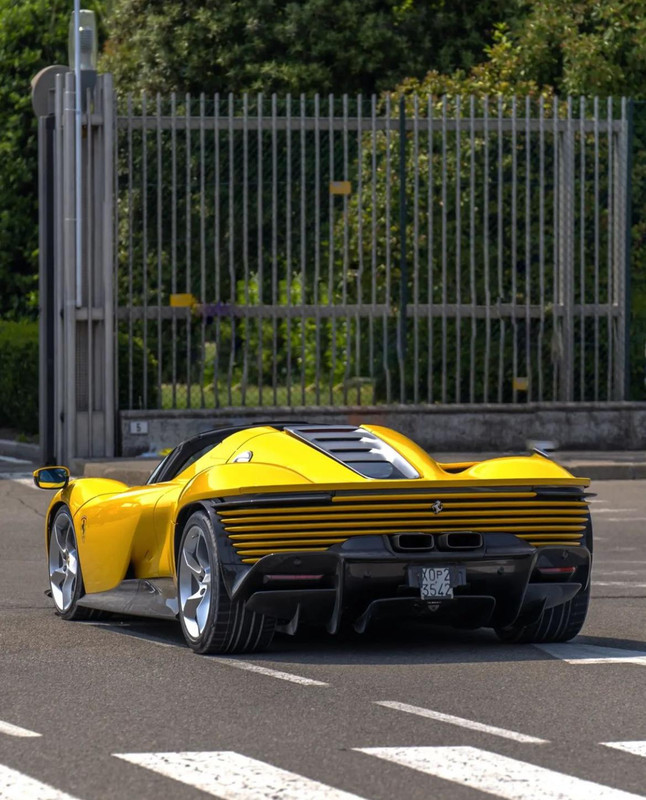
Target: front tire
x,y
65,576
212,622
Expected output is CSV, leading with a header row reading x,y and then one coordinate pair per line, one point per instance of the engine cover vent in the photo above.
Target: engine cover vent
x,y
356,448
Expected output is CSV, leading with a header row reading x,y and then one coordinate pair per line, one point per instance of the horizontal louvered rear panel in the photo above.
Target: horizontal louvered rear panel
x,y
259,529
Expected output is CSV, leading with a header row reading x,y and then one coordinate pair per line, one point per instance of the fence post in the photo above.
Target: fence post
x,y
403,265
622,239
565,266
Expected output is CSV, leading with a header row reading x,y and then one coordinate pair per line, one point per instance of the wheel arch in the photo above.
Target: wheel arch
x,y
51,513
183,516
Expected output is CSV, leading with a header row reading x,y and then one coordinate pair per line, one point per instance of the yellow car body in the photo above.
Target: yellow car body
x,y
277,496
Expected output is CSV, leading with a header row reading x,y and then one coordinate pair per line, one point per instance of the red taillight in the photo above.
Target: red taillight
x,y
557,570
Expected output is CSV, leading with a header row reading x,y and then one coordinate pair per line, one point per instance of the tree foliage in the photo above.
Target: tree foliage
x,y
33,35
308,46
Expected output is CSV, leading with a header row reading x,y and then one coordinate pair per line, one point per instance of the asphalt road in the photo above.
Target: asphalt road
x,y
125,710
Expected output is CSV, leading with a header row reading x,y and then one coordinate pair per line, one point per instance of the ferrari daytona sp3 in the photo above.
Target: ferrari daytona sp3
x,y
243,531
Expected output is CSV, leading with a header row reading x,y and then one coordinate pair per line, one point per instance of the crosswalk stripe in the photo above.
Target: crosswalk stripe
x,y
461,722
232,776
16,786
593,654
635,748
16,730
494,774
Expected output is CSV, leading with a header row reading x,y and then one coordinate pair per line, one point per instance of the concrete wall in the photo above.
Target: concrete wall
x,y
572,426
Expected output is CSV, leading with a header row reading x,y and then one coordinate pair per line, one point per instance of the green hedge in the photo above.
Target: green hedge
x,y
19,375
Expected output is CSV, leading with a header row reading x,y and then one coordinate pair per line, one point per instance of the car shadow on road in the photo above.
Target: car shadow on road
x,y
408,644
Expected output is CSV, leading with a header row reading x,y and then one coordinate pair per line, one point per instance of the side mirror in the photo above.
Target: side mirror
x,y
52,477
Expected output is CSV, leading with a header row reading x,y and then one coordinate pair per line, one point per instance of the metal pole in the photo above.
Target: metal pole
x,y
77,146
403,267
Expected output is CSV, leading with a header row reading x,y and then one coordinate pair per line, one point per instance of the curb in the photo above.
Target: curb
x,y
22,450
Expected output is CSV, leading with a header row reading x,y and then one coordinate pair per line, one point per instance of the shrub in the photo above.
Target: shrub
x,y
19,375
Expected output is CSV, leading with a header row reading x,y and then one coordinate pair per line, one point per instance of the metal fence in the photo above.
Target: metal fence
x,y
325,251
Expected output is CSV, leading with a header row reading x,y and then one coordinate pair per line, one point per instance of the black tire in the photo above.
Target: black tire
x,y
211,622
61,551
558,624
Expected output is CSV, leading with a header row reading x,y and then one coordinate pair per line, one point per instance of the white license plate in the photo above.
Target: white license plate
x,y
436,582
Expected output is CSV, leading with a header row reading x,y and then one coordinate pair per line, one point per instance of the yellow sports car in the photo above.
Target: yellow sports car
x,y
242,531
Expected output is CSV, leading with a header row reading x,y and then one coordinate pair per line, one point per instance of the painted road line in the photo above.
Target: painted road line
x,y
495,774
627,584
16,730
635,748
271,673
613,510
12,460
625,519
16,786
593,654
463,723
232,776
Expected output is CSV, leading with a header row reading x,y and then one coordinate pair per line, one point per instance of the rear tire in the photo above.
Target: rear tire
x,y
558,624
212,622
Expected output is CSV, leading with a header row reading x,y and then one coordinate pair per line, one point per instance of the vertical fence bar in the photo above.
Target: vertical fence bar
x,y
130,257
144,247
359,297
245,323
388,295
173,103
501,350
582,243
303,248
202,246
346,252
90,261
557,339
260,223
403,264
416,248
274,248
528,253
611,213
217,244
444,254
330,282
596,248
541,243
232,270
288,239
623,181
429,262
458,248
317,245
373,242
485,253
160,248
472,248
188,248
514,246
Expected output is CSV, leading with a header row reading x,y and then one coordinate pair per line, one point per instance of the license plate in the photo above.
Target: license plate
x,y
436,582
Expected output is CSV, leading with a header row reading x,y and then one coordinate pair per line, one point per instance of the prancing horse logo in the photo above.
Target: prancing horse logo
x,y
437,507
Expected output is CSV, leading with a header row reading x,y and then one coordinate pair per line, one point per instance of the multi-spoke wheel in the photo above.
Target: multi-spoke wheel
x,y
211,621
65,578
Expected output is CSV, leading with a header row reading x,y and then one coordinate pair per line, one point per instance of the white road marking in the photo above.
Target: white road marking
x,y
495,774
602,502
617,571
593,654
463,723
15,730
16,786
232,776
629,584
626,519
635,748
613,510
271,673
